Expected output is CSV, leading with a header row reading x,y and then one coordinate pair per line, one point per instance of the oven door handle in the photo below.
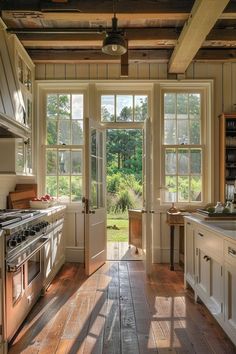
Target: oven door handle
x,y
13,265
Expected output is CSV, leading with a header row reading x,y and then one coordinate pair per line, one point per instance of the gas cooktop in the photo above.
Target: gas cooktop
x,y
11,216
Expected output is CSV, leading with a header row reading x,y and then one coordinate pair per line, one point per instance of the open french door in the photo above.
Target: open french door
x,y
94,200
146,210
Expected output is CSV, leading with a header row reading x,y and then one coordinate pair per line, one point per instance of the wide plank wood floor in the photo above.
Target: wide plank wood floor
x,y
119,311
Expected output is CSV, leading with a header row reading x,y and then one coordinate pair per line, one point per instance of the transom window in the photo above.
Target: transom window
x,y
124,108
182,144
64,146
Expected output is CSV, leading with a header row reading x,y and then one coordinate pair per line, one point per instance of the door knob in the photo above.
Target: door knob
x,y
91,211
144,211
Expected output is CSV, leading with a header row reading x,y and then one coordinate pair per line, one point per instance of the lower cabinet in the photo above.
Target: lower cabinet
x,y
209,272
54,255
213,276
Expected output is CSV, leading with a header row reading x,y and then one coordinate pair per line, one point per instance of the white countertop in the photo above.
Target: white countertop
x,y
218,226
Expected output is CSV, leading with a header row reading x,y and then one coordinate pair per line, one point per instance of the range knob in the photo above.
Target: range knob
x,y
32,232
36,228
27,232
11,243
19,239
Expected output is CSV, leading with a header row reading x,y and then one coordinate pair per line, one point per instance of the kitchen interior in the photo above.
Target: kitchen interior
x,y
58,61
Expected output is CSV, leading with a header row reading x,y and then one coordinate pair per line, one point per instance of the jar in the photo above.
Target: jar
x,y
219,207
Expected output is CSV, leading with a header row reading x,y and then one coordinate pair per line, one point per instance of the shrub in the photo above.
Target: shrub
x,y
124,202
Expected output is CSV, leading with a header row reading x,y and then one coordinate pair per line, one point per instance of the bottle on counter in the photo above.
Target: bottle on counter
x,y
229,205
219,207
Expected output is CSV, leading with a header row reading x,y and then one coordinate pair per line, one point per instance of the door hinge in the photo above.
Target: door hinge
x,y
221,271
221,306
0,273
1,330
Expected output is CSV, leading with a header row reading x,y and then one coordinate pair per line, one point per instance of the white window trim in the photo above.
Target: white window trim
x,y
207,131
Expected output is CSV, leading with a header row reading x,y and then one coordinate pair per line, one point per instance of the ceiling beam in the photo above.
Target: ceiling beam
x,y
202,18
139,56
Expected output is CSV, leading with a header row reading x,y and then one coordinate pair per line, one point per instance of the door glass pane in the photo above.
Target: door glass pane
x,y
20,70
100,144
183,161
64,106
94,168
76,162
51,161
76,188
77,107
124,108
33,267
64,188
52,106
64,132
183,188
169,106
100,196
93,142
170,132
182,106
94,195
108,108
77,132
19,155
196,188
51,186
140,108
51,132
64,162
170,161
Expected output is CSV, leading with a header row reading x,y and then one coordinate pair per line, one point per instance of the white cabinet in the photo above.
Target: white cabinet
x,y
54,250
189,274
230,288
210,268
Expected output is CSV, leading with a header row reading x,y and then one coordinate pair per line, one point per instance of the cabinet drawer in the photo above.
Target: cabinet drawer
x,y
211,243
230,252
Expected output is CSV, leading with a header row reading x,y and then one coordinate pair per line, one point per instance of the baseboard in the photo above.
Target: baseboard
x,y
74,254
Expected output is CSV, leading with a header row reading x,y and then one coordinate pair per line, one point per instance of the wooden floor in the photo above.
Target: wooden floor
x,y
117,310
117,251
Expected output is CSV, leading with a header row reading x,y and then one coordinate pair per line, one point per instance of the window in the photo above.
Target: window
x,y
64,146
124,108
183,147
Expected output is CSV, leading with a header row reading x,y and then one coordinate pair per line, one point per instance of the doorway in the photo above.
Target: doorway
x,y
124,171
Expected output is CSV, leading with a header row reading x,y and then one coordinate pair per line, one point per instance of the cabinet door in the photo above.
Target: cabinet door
x,y
230,298
189,252
203,274
216,288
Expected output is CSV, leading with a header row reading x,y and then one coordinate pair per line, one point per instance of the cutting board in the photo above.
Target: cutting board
x,y
21,199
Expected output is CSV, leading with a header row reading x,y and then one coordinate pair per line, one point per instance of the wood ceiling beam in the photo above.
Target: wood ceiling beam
x,y
203,16
138,38
149,56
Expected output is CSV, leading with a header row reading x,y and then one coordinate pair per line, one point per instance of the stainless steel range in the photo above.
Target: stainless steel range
x,y
25,233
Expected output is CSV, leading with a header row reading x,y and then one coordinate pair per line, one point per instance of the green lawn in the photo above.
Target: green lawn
x,y
119,235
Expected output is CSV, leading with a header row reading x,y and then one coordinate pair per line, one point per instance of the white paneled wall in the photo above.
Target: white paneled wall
x,y
224,76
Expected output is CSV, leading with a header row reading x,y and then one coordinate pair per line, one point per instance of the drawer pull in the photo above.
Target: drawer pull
x,y
231,252
200,234
188,223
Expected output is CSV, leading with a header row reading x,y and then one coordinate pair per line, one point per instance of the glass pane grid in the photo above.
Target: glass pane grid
x,y
124,108
64,168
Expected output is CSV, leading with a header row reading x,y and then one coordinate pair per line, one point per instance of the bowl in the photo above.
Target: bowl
x,y
40,204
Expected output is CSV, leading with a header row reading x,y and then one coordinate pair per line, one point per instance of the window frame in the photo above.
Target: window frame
x,y
43,89
205,90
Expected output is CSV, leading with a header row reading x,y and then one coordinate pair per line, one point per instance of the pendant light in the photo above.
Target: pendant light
x,y
114,43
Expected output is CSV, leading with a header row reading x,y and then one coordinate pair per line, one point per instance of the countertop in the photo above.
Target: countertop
x,y
217,226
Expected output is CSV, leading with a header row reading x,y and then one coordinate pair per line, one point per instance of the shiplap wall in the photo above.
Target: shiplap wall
x,y
224,100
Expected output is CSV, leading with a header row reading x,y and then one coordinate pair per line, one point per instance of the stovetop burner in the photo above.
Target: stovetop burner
x,y
11,216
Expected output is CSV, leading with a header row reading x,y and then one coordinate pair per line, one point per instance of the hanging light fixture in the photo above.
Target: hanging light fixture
x,y
114,43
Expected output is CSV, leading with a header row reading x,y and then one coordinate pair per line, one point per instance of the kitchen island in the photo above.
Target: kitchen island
x,y
210,267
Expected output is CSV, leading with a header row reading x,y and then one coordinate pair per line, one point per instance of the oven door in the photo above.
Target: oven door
x,y
24,282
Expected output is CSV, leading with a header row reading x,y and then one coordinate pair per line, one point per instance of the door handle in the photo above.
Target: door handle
x,y
151,211
92,212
